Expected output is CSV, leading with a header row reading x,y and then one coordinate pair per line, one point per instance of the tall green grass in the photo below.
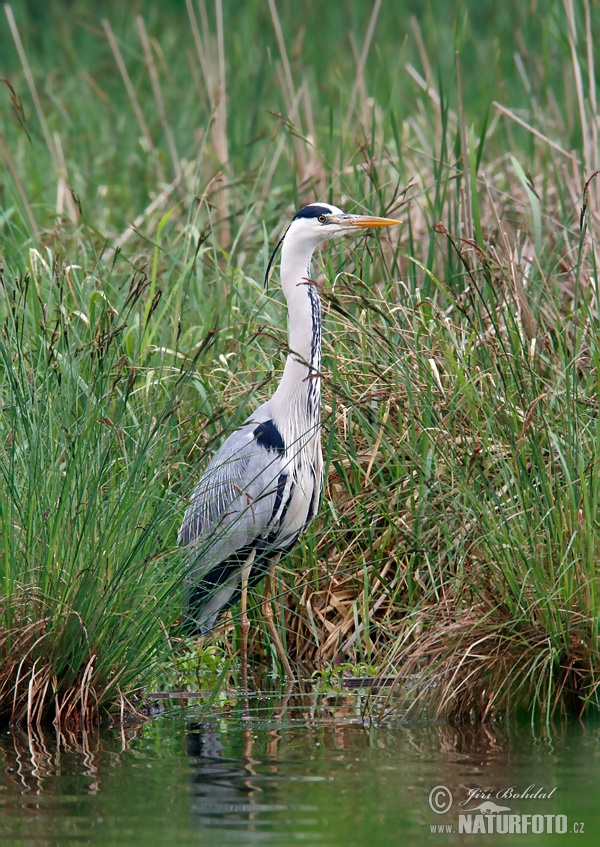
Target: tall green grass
x,y
151,162
89,437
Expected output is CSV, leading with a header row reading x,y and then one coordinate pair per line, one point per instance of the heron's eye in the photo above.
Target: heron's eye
x,y
322,219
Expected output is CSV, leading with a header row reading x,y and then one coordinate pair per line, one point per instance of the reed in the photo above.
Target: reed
x,y
151,163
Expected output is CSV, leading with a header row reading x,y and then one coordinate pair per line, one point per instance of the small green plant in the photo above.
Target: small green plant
x,y
335,678
193,667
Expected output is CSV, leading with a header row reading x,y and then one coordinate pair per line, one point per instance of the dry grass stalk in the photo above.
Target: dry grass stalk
x,y
158,97
589,123
473,663
308,163
131,92
466,206
211,55
64,197
30,82
359,85
27,683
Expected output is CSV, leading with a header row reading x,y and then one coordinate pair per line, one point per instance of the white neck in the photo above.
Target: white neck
x,y
300,384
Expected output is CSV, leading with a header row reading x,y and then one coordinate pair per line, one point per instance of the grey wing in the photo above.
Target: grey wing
x,y
235,500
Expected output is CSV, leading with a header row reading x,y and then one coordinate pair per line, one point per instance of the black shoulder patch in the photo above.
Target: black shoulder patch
x,y
313,210
269,437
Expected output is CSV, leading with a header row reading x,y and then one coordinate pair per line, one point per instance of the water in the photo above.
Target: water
x,y
314,775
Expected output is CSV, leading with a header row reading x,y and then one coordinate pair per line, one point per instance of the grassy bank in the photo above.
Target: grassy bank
x,y
151,163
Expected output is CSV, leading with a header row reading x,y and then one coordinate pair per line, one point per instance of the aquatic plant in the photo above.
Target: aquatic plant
x,y
458,541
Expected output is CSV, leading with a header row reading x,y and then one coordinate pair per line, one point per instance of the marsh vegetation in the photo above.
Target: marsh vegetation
x,y
151,161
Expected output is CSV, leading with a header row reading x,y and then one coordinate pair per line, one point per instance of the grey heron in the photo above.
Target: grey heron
x,y
262,487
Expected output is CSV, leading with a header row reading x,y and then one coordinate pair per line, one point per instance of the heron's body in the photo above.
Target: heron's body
x,y
263,486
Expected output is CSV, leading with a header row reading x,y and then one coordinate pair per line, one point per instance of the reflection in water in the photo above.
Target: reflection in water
x,y
400,763
277,772
233,792
236,793
39,770
32,760
221,785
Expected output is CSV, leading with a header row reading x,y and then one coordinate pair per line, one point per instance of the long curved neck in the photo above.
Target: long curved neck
x,y
300,384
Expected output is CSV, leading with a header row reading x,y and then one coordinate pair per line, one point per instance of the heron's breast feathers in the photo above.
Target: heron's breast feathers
x,y
262,486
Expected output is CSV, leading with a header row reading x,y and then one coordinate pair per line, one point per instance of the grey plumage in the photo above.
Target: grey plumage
x,y
263,486
254,500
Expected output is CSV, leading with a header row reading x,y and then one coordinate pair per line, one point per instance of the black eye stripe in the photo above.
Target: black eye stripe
x,y
314,210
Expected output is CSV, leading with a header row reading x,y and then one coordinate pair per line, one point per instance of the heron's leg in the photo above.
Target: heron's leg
x,y
267,611
244,622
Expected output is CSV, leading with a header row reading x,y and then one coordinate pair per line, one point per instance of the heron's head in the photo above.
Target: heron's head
x,y
319,222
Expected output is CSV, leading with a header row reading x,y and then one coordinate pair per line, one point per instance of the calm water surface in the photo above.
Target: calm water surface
x,y
315,774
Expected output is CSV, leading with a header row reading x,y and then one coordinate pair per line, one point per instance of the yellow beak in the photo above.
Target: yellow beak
x,y
363,221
